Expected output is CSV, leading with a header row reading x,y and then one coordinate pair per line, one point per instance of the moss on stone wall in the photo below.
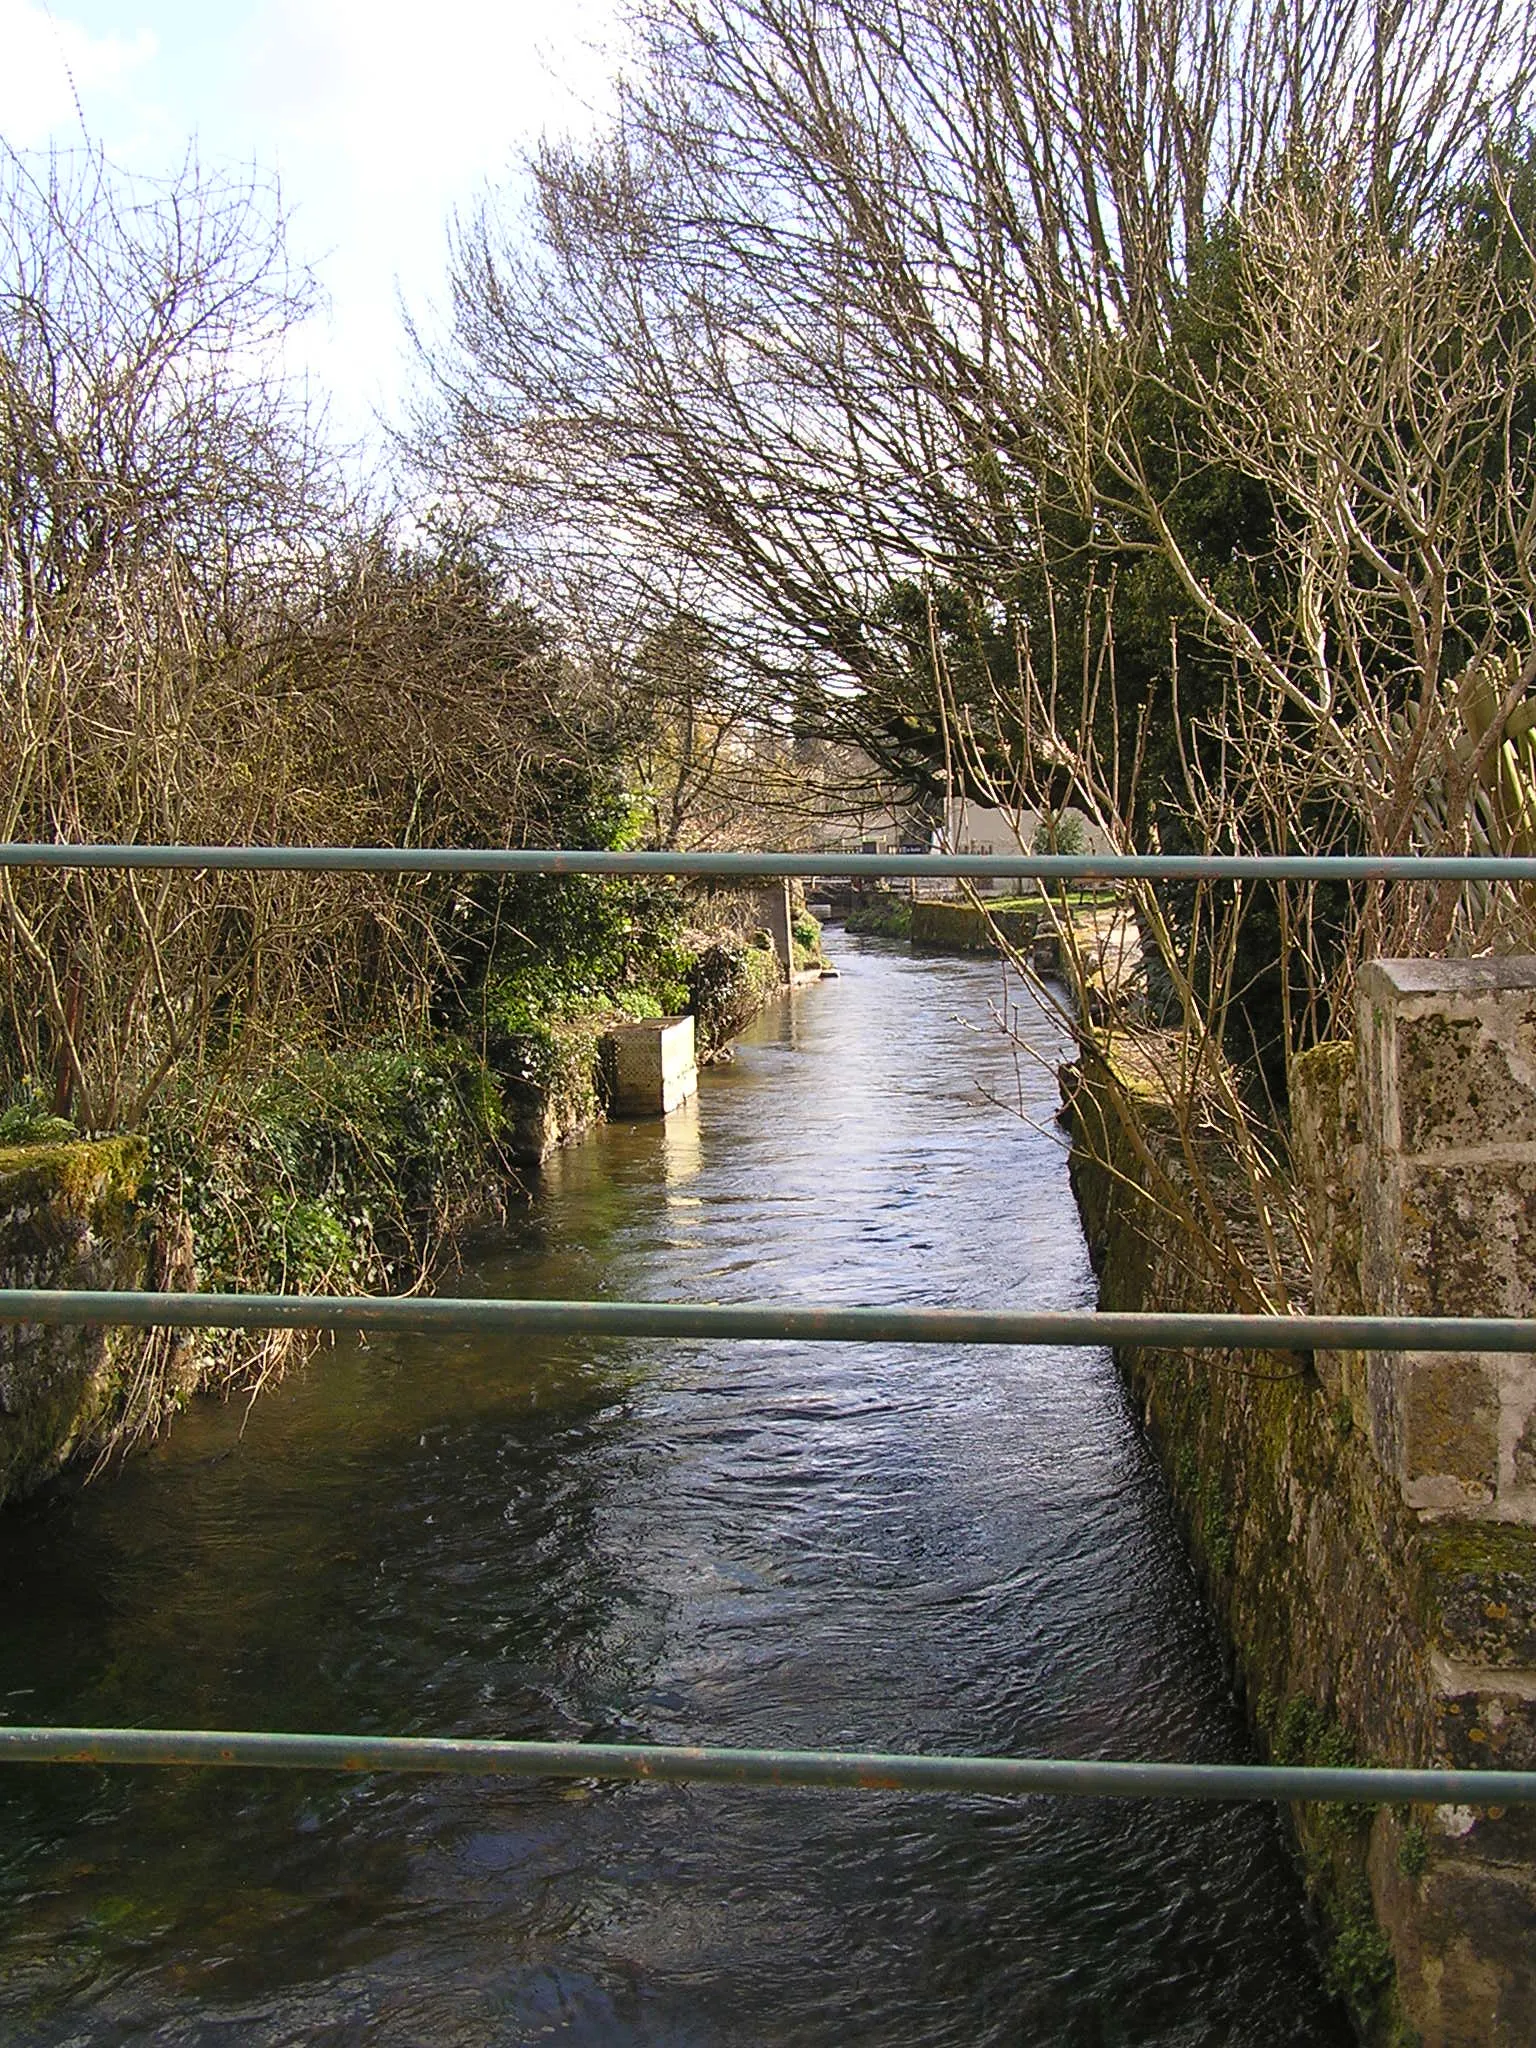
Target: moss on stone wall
x,y
883,916
81,1177
342,1171
544,1044
731,980
67,1219
550,1072
961,928
1310,1562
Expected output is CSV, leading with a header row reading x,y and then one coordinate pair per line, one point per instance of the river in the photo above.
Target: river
x,y
749,1544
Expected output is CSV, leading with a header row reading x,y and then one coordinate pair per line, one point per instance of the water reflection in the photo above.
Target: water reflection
x,y
752,1544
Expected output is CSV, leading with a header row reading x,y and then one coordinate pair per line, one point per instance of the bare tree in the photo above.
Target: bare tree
x,y
816,316
202,641
863,296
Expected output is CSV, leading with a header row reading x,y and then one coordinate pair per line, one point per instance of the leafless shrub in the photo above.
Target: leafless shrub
x,y
200,642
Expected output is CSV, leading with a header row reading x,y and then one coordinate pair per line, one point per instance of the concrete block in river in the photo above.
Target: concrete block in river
x,y
777,912
652,1066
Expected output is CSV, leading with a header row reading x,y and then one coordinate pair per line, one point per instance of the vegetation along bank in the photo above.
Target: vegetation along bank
x,y
340,1168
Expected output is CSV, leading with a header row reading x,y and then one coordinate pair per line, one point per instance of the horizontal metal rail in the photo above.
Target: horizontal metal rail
x,y
829,1769
1069,1328
1020,866
851,1770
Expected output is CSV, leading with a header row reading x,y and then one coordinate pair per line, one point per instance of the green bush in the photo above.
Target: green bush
x,y
1064,832
563,941
960,927
304,1246
1359,1966
1413,1850
28,1120
885,916
728,984
339,1170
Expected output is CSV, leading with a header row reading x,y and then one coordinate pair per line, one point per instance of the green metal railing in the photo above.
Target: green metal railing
x,y
1069,1329
1040,867
821,1769
675,1764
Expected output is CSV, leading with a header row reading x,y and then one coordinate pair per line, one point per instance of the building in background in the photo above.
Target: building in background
x,y
984,829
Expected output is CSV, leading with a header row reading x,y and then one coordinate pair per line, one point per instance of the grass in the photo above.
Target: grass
x,y
1072,899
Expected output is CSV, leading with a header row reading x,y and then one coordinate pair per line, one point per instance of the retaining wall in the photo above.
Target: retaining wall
x,y
962,928
1371,1617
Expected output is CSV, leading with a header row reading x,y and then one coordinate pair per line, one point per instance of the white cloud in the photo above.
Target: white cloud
x,y
460,78
48,62
378,117
384,116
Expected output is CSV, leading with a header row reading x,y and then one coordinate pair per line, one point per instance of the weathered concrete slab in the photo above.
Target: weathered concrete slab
x,y
777,913
652,1066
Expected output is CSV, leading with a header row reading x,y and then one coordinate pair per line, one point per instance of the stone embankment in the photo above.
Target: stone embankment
x,y
1094,947
1366,1525
941,927
68,1218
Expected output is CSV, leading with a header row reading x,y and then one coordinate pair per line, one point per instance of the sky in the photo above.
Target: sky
x,y
376,117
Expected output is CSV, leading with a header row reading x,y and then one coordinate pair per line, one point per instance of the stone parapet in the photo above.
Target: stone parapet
x,y
1447,1222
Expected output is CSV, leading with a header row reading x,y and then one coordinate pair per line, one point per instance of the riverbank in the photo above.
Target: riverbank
x,y
1251,1453
1103,950
943,926
343,1172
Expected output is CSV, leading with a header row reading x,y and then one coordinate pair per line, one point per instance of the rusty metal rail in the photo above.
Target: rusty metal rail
x,y
822,1769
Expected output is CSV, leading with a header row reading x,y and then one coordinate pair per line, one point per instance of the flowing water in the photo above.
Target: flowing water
x,y
747,1544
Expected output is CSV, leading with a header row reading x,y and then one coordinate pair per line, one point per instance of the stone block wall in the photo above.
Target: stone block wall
x,y
1448,1222
1417,1148
1361,1522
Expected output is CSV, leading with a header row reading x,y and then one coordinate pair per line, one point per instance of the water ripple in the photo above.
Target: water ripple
x,y
761,1544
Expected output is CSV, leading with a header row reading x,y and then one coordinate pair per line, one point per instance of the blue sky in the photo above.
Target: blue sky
x,y
377,117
